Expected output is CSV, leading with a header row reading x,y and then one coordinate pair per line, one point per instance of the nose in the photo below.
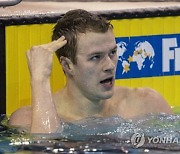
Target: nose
x,y
109,65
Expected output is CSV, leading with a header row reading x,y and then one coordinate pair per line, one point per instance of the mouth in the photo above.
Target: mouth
x,y
108,82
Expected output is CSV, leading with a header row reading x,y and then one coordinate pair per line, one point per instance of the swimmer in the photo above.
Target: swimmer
x,y
85,46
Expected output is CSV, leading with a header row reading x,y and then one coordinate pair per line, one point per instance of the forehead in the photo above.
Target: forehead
x,y
92,42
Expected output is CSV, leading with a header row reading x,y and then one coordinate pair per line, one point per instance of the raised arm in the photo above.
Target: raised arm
x,y
44,115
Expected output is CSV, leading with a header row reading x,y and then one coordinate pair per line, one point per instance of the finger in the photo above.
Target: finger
x,y
55,45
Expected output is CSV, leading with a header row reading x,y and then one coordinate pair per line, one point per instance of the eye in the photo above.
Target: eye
x,y
113,52
96,57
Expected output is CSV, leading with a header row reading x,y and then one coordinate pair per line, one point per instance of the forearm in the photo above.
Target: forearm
x,y
44,115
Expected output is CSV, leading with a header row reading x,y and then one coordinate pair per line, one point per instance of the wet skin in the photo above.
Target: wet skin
x,y
89,90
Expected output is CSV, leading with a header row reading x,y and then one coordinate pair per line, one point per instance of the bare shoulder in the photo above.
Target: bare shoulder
x,y
149,93
146,99
140,91
21,117
154,100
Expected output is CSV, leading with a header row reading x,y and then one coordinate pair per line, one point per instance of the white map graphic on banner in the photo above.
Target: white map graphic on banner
x,y
142,52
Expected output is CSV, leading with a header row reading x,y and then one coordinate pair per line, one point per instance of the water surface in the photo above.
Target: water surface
x,y
150,134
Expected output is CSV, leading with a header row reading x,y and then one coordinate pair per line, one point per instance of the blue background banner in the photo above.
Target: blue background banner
x,y
144,56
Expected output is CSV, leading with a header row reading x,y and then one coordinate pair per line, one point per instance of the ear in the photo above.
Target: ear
x,y
67,65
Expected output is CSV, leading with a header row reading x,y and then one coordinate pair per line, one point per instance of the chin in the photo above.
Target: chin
x,y
107,96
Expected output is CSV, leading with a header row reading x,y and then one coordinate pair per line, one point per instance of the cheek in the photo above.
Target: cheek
x,y
87,73
115,61
88,77
85,70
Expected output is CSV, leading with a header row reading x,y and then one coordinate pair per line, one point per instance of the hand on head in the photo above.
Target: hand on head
x,y
40,58
56,44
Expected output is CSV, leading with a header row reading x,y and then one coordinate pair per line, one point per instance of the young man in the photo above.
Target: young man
x,y
86,48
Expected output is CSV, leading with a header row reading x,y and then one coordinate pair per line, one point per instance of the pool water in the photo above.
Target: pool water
x,y
150,134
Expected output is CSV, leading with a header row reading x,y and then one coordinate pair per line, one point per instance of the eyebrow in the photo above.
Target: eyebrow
x,y
115,48
100,52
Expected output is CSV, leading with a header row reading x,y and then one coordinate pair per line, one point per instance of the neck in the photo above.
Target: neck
x,y
79,104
